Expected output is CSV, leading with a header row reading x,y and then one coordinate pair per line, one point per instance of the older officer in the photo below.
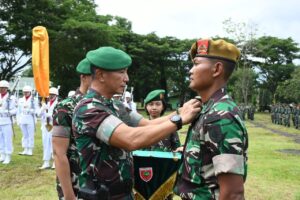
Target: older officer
x,y
215,154
27,109
46,112
7,109
65,152
105,132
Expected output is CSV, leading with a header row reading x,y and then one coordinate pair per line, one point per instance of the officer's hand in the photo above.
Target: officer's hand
x,y
189,110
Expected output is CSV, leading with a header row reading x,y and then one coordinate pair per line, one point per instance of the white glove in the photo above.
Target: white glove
x,y
44,107
49,115
31,111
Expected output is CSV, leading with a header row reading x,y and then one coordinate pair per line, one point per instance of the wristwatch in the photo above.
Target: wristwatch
x,y
176,119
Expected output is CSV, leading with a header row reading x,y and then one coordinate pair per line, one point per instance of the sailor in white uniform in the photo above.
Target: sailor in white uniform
x,y
129,103
7,110
45,113
27,109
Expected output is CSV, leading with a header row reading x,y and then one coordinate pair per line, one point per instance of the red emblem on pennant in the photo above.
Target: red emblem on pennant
x,y
146,173
202,47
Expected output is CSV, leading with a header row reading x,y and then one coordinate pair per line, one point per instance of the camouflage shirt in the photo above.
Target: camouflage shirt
x,y
62,127
168,144
216,143
95,119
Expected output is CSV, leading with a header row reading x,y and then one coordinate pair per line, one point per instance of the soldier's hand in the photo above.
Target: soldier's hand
x,y
189,110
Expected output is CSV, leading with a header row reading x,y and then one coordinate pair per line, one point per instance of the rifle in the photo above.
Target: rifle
x,y
131,93
48,125
8,102
123,95
33,107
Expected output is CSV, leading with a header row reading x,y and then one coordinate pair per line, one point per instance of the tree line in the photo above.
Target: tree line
x,y
265,72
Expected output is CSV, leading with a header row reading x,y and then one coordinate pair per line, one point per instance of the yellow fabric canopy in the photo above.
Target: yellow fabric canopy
x,y
40,60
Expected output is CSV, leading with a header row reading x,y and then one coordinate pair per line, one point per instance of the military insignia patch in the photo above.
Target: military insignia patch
x,y
146,173
202,47
161,96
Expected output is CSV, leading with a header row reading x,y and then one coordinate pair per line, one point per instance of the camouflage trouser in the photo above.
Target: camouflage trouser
x,y
75,184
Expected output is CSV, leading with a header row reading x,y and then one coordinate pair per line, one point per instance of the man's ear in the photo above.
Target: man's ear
x,y
218,69
100,74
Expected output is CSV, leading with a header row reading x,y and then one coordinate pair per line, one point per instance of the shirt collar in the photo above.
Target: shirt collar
x,y
94,94
214,98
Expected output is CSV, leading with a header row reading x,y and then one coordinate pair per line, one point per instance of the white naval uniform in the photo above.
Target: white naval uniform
x,y
7,109
47,135
131,106
27,109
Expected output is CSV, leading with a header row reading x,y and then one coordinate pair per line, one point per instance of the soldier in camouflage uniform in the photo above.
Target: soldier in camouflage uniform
x,y
65,152
104,129
297,116
155,107
215,153
272,111
287,113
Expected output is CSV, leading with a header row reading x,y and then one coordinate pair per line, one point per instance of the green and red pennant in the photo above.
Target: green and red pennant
x,y
155,174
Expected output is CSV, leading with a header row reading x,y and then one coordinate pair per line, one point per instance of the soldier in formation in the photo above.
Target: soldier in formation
x,y
7,110
26,118
282,114
65,152
45,113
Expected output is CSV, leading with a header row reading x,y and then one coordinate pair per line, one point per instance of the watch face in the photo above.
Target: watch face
x,y
175,118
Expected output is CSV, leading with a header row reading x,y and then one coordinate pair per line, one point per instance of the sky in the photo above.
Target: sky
x,y
193,19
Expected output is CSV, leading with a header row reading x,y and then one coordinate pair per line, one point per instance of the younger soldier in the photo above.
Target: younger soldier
x,y
215,153
27,109
65,152
7,109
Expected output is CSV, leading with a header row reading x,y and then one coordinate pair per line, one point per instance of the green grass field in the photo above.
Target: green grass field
x,y
272,175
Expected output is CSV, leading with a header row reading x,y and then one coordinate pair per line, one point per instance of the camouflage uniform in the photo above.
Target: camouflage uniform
x,y
62,121
96,117
297,114
170,143
217,143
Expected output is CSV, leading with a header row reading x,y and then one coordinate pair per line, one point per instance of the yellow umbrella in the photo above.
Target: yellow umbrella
x,y
40,60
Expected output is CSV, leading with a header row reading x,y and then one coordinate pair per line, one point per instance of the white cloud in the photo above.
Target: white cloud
x,y
199,18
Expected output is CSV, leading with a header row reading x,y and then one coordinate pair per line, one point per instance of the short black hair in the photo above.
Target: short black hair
x,y
228,67
93,71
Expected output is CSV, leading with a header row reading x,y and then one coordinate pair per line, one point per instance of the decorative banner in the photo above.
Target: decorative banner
x,y
155,174
40,60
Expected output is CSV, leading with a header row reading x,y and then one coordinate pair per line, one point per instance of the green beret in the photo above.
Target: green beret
x,y
109,58
154,95
219,49
84,67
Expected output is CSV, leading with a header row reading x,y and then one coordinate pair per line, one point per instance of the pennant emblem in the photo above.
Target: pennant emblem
x,y
202,47
146,173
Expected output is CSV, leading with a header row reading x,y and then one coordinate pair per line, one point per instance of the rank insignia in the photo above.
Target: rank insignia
x,y
202,47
